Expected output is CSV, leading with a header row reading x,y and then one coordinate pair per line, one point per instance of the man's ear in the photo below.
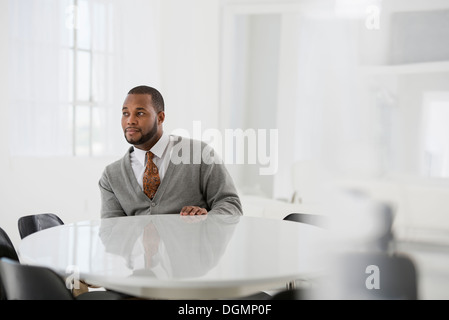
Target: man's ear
x,y
160,117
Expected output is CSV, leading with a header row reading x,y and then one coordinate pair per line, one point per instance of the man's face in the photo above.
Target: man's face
x,y
141,124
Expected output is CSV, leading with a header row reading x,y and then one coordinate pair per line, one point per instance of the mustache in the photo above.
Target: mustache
x,y
132,128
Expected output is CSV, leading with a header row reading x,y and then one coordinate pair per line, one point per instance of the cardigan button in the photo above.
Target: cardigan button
x,y
153,204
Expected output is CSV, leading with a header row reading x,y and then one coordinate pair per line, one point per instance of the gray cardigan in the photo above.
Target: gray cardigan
x,y
201,183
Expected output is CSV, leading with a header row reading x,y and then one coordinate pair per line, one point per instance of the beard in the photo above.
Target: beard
x,y
145,137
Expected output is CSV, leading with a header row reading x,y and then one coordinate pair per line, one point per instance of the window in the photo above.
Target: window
x,y
90,50
61,54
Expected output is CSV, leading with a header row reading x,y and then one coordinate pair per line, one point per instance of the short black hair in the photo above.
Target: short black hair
x,y
156,97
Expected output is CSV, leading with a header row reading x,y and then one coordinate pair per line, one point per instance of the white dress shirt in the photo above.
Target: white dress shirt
x,y
161,151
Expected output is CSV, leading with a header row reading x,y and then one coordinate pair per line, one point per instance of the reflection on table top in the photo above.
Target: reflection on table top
x,y
173,256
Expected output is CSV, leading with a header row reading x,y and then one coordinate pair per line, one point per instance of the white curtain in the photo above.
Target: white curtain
x,y
119,49
39,121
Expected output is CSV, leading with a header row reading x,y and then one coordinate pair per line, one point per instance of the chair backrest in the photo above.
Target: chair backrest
x,y
7,250
384,216
6,246
386,219
293,294
37,222
376,276
314,219
25,282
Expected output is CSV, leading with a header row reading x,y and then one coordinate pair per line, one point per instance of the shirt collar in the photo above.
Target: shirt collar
x,y
158,149
160,146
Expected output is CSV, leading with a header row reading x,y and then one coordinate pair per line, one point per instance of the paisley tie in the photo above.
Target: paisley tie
x,y
151,179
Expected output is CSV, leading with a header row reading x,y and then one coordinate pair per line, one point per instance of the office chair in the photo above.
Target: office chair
x,y
384,213
262,295
362,276
294,294
7,250
375,276
37,222
386,219
313,219
300,293
26,282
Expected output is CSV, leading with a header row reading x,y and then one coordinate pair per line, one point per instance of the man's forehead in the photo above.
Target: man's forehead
x,y
142,101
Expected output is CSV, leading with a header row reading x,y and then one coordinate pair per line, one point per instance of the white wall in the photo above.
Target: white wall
x,y
189,42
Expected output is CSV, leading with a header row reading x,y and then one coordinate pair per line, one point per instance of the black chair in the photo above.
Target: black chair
x,y
26,282
362,276
385,215
299,293
293,294
386,237
375,276
7,250
37,222
262,295
313,219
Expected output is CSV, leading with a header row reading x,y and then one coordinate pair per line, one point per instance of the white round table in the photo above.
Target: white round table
x,y
180,257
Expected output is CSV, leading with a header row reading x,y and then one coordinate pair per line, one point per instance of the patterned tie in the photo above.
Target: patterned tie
x,y
151,179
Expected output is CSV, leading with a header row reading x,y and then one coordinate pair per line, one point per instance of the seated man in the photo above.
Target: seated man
x,y
163,173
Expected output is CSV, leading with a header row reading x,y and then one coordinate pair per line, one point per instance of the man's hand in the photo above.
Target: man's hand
x,y
192,211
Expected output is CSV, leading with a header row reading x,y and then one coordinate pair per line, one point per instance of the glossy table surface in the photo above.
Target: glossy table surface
x,y
180,257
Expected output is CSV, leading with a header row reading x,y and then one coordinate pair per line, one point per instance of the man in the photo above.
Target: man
x,y
162,173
